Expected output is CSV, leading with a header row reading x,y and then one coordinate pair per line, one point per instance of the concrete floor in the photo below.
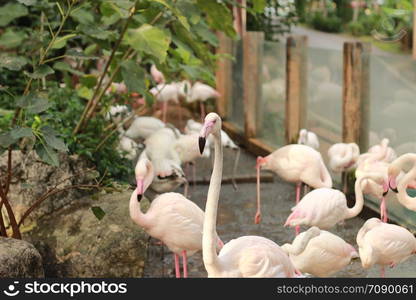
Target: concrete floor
x,y
236,218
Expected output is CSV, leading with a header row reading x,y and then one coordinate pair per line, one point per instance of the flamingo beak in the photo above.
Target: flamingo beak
x,y
393,184
205,131
202,141
140,189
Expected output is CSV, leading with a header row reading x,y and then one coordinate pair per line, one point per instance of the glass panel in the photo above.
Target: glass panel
x,y
324,96
236,107
392,116
272,117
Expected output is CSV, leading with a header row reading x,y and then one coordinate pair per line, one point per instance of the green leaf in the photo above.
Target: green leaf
x,y
133,76
11,11
149,98
82,16
63,66
61,41
150,40
6,139
27,2
96,32
259,5
98,212
75,53
89,80
218,16
18,133
182,19
33,103
11,38
51,140
41,71
48,155
85,92
13,63
202,30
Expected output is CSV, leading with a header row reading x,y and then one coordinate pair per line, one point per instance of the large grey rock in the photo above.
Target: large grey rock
x,y
19,259
74,243
32,178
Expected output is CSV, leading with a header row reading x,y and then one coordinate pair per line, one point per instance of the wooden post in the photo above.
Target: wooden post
x,y
296,87
414,29
356,95
252,65
355,107
224,74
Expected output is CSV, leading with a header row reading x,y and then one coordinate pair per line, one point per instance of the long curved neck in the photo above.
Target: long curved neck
x,y
359,199
209,241
299,244
136,213
342,161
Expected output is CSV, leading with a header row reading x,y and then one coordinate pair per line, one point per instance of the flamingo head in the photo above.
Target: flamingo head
x,y
144,176
212,125
393,172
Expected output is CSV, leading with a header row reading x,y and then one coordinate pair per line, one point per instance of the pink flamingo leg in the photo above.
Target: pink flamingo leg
x,y
383,272
185,264
177,270
298,187
383,210
165,110
201,104
257,217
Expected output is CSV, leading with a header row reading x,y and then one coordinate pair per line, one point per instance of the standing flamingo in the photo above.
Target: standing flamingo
x,y
201,92
319,252
308,138
399,185
342,158
384,244
247,256
325,207
294,163
171,218
389,153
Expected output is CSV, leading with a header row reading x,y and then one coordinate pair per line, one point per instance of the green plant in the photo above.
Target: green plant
x,y
330,23
356,28
49,44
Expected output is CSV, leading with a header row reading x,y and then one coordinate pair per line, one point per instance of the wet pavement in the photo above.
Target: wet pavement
x,y
236,218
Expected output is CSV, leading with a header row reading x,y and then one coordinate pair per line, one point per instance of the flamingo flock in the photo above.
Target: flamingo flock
x,y
160,151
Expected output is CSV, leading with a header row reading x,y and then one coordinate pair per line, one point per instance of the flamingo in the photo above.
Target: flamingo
x,y
142,127
116,113
376,186
342,158
201,92
399,185
383,151
173,219
294,163
157,76
308,138
384,244
246,256
325,207
319,252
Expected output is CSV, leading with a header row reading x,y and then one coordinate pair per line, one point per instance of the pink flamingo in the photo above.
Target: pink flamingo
x,y
325,207
376,186
157,76
399,182
171,218
319,252
247,256
342,158
201,92
384,244
308,138
294,163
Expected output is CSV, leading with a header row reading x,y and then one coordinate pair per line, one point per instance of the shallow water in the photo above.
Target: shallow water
x,y
236,218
